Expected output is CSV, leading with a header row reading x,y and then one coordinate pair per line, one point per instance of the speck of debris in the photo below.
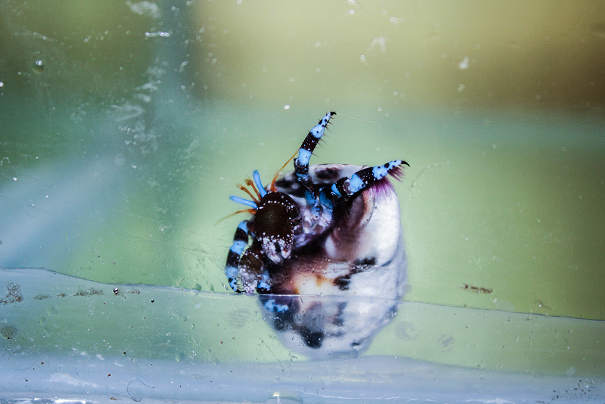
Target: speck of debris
x,y
152,300
8,332
116,291
41,297
61,295
108,374
89,292
477,289
134,291
13,294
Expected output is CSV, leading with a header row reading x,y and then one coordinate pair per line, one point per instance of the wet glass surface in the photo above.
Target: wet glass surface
x,y
126,125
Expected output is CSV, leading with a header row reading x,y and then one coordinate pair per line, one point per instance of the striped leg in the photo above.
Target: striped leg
x,y
365,178
301,162
240,241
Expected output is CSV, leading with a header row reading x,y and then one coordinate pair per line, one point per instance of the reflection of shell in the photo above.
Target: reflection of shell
x,y
334,296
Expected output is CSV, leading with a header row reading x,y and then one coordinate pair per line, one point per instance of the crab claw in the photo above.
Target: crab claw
x,y
277,249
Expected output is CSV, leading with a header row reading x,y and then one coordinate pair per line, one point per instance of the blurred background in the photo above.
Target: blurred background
x,y
125,126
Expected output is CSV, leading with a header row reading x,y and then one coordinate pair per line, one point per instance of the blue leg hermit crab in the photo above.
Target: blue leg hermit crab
x,y
330,233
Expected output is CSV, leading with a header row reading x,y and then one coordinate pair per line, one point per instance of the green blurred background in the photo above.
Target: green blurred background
x,y
124,126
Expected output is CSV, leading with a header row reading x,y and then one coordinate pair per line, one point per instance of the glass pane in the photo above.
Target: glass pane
x,y
125,126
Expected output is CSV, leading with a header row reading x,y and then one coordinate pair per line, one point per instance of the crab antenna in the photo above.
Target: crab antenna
x,y
251,185
259,184
243,201
235,213
272,186
246,190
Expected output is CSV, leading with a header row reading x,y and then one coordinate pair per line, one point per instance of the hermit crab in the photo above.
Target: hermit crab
x,y
323,249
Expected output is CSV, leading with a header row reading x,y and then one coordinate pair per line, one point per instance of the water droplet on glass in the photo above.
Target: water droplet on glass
x,y
463,64
38,66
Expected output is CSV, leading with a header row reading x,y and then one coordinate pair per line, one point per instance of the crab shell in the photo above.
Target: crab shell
x,y
334,294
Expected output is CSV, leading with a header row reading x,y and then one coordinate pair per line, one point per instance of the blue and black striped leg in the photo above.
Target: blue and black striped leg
x,y
301,162
240,242
365,178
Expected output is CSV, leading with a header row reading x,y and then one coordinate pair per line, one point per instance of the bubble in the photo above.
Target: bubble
x,y
38,66
1,84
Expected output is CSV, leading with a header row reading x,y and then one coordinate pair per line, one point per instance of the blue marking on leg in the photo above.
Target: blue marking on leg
x,y
304,156
355,184
258,183
238,246
379,172
335,191
325,201
231,273
243,225
319,129
312,202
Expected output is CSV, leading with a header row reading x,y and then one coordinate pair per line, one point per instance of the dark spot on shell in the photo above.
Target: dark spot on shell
x,y
343,282
366,261
328,173
313,339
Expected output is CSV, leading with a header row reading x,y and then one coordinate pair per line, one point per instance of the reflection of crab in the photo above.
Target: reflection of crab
x,y
317,209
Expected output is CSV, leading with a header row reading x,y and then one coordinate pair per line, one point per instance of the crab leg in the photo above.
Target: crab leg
x,y
365,178
301,162
240,242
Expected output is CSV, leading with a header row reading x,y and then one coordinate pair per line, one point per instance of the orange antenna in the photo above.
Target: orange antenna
x,y
246,190
272,186
235,213
250,183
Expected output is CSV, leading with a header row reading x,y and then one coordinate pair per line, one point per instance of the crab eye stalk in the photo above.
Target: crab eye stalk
x,y
243,201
